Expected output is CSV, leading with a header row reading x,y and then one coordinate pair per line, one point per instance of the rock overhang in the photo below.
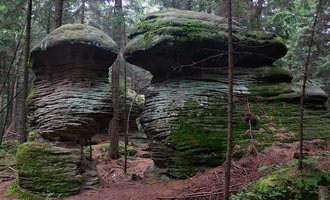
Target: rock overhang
x,y
74,43
179,42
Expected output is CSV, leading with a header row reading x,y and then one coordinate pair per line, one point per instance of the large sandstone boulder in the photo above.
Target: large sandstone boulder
x,y
185,114
46,168
72,92
178,41
70,101
185,117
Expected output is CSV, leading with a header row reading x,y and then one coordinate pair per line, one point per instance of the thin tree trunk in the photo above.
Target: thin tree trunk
x,y
49,23
126,127
12,125
82,13
189,5
250,14
173,4
114,147
305,76
58,13
12,61
26,71
2,94
5,120
6,115
230,104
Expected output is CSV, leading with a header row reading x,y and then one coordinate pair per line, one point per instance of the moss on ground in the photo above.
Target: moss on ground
x,y
288,184
105,147
15,190
7,152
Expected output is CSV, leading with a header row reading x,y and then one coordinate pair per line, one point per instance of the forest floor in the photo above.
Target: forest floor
x,y
117,185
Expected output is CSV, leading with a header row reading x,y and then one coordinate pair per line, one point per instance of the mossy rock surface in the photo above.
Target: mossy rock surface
x,y
185,118
46,169
166,42
71,99
290,92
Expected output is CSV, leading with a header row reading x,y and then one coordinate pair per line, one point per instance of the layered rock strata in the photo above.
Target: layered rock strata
x,y
185,115
72,90
70,103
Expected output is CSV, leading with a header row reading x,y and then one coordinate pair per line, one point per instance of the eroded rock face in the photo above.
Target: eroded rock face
x,y
45,168
165,42
185,115
72,98
71,102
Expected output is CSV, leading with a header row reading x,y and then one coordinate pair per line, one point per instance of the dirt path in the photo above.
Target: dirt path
x,y
116,185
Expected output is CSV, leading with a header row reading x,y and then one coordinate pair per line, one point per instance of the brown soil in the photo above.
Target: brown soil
x,y
116,185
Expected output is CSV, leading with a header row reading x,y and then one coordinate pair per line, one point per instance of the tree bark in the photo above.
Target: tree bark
x,y
305,76
173,4
12,125
26,71
114,147
230,104
3,98
82,12
58,13
189,5
48,28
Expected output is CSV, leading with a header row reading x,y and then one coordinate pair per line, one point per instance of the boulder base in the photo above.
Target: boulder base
x,y
185,118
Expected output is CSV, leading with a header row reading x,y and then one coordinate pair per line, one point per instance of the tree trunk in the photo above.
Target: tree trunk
x,y
13,118
173,4
305,76
250,14
58,13
2,96
26,71
189,5
230,104
82,12
6,111
114,147
49,23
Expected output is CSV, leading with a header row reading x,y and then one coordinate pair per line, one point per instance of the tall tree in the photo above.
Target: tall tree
x,y
114,128
49,17
58,13
230,104
26,70
305,76
82,12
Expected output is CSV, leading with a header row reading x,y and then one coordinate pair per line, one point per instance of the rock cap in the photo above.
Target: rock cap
x,y
74,42
180,41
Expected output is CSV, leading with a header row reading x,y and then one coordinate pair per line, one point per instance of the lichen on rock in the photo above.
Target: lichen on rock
x,y
185,113
70,102
72,98
44,168
177,41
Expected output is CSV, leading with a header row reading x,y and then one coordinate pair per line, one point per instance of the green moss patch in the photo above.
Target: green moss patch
x,y
287,184
199,139
199,135
46,169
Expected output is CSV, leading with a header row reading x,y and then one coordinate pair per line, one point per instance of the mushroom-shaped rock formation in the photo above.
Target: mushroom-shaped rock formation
x,y
185,114
71,102
172,41
72,90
